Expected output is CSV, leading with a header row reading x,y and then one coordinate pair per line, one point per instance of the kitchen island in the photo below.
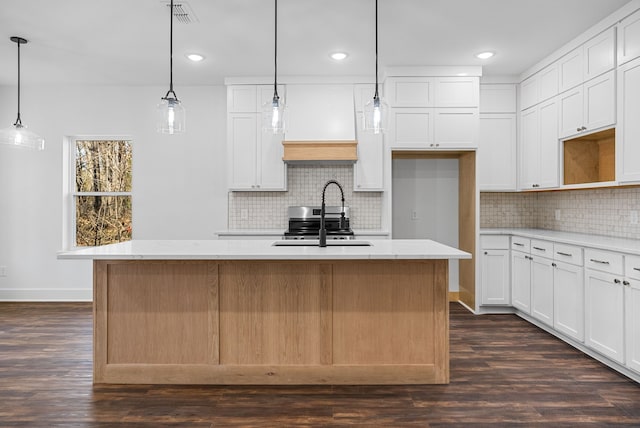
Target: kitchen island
x,y
249,312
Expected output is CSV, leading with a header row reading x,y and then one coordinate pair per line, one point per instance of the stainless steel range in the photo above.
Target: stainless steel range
x,y
304,223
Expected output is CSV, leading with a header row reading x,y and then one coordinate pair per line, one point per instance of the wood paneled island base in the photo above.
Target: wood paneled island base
x,y
271,322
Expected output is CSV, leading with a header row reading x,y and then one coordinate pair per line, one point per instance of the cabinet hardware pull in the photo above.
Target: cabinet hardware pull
x,y
638,269
627,283
617,281
539,249
578,129
554,265
584,128
522,245
564,254
603,262
486,252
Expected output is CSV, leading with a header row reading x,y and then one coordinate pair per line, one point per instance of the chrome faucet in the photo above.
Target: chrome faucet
x,y
323,230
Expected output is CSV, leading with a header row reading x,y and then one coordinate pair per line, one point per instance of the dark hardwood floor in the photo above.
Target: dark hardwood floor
x,y
504,372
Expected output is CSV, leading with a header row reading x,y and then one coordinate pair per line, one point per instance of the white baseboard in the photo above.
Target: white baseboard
x,y
46,295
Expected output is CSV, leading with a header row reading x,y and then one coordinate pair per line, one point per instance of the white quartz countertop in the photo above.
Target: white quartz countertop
x,y
221,249
623,245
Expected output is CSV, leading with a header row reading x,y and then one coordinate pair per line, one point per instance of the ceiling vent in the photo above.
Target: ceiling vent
x,y
182,12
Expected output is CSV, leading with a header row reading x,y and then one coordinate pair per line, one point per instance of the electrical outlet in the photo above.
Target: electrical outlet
x,y
633,217
557,215
414,215
244,214
3,271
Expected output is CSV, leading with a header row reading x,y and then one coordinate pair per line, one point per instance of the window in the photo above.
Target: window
x,y
100,211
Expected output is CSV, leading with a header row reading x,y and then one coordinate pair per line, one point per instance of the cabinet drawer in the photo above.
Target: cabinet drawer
x,y
520,244
604,261
542,248
568,254
632,267
494,242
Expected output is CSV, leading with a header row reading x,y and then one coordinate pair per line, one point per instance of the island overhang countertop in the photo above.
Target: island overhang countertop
x,y
382,249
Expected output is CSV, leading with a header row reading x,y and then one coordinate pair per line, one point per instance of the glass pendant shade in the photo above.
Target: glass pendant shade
x,y
273,115
376,114
171,116
19,136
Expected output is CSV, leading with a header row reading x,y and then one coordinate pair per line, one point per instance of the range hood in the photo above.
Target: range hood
x,y
321,126
320,152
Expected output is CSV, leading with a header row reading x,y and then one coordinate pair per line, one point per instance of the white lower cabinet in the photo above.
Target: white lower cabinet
x,y
496,289
604,314
632,323
542,289
568,300
521,281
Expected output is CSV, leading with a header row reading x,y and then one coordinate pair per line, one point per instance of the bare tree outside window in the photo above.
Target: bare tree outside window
x,y
102,192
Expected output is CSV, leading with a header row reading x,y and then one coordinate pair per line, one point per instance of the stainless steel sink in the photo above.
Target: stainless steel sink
x,y
314,243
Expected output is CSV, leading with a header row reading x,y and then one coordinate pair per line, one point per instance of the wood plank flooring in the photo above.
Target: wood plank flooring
x,y
504,372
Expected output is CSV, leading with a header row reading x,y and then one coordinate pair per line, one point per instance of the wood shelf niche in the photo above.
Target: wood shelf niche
x,y
590,158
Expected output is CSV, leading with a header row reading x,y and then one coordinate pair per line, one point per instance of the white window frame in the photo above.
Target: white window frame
x,y
69,185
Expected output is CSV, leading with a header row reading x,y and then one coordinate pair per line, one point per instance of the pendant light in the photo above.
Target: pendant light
x,y
171,114
273,111
18,135
375,112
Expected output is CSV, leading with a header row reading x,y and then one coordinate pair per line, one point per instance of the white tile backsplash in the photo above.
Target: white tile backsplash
x,y
268,210
605,212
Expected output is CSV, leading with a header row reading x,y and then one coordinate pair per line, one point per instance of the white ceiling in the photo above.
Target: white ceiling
x,y
126,42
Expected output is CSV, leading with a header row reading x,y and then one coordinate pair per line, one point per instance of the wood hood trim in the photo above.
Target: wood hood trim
x,y
334,151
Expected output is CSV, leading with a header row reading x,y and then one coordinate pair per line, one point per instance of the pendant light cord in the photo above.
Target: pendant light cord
x,y
275,54
375,95
170,91
18,120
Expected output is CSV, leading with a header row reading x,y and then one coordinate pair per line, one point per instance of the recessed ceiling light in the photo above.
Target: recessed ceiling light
x,y
195,57
485,55
339,56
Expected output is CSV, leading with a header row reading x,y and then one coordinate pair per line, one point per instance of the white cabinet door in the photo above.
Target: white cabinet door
x,y
241,137
529,148
498,98
571,112
600,102
549,153
367,171
241,99
496,155
629,38
411,128
409,91
628,128
548,82
542,289
272,171
568,300
521,281
599,54
456,128
632,323
530,92
604,314
496,285
570,70
456,91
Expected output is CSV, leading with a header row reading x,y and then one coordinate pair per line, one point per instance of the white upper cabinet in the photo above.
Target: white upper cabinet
x,y
368,170
320,112
539,146
496,155
628,128
456,91
456,128
530,92
242,99
548,82
588,107
411,128
570,70
629,38
498,98
410,91
595,57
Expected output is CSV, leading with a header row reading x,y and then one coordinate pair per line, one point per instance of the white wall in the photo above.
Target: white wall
x,y
428,188
179,182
